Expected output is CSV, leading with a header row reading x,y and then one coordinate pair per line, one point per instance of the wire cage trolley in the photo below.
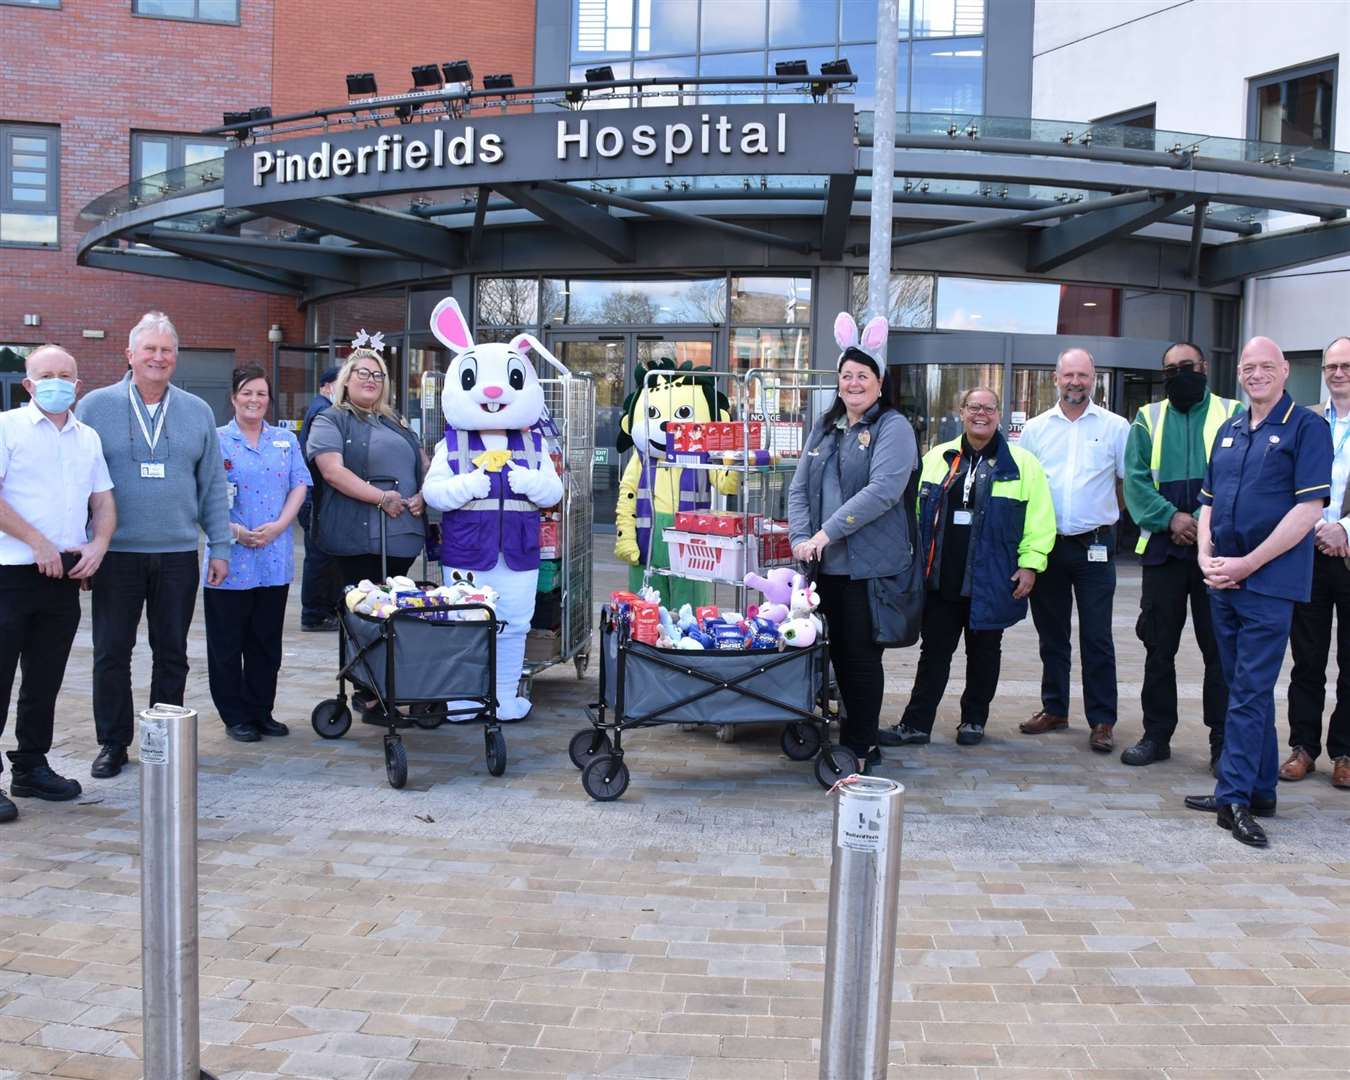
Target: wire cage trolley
x,y
412,667
642,686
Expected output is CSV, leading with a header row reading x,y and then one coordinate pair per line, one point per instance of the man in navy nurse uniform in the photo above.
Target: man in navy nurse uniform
x,y
1268,480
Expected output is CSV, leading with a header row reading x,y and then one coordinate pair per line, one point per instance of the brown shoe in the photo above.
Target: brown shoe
x,y
1043,722
1340,773
1100,739
1299,765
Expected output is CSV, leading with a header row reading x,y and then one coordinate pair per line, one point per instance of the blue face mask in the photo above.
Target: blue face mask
x,y
54,395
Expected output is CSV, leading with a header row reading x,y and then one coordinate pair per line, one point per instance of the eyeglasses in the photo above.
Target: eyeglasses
x,y
1181,365
1336,368
366,375
985,410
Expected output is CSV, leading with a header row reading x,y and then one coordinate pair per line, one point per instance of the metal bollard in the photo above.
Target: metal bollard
x,y
855,1033
169,991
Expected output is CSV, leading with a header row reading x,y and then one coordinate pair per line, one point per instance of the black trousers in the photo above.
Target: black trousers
x,y
243,651
165,586
38,619
319,587
855,657
1067,578
944,623
1167,589
1310,640
353,568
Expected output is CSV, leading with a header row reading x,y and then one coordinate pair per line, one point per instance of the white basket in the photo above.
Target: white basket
x,y
710,558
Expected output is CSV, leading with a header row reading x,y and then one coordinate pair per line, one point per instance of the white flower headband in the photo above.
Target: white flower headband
x,y
374,342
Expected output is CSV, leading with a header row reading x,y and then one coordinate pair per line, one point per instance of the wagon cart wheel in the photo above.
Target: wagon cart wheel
x,y
586,745
834,764
427,716
395,761
495,752
801,741
582,661
605,778
331,719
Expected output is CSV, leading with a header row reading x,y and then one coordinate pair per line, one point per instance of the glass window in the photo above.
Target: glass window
x,y
733,24
616,98
1305,376
948,77
1034,391
1294,107
1019,307
930,395
802,22
863,60
29,187
947,18
667,26
33,3
152,154
634,303
771,300
672,68
858,20
1088,309
910,305
732,64
1157,315
502,302
601,27
197,10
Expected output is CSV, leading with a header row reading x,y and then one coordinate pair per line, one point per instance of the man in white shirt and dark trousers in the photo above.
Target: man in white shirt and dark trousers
x,y
54,486
1081,446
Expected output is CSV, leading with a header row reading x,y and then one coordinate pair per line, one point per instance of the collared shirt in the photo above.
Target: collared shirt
x,y
47,475
1082,459
262,477
1340,466
1257,476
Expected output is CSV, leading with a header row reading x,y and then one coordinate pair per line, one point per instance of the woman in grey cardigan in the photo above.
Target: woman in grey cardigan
x,y
844,510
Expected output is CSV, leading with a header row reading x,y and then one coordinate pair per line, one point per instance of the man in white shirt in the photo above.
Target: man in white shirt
x,y
1081,446
56,519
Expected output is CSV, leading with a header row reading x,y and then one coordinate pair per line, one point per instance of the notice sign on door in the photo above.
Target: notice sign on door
x,y
862,823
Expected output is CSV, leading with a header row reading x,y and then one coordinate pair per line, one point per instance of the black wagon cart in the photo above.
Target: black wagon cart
x,y
410,667
642,685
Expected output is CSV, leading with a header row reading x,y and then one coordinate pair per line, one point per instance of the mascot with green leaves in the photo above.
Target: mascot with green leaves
x,y
649,496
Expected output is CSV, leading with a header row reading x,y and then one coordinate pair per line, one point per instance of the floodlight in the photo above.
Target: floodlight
x,y
426,75
457,71
231,118
405,111
601,74
260,112
832,67
498,82
361,82
791,67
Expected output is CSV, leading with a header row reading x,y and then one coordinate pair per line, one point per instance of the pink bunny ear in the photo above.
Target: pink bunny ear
x,y
527,343
874,333
845,330
450,326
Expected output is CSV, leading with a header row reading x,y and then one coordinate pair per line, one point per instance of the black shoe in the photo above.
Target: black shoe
x,y
969,734
1238,820
902,735
1209,804
870,760
323,627
8,811
242,733
272,727
109,762
1145,752
40,782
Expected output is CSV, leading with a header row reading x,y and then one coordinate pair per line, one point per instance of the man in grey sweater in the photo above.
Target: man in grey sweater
x,y
169,484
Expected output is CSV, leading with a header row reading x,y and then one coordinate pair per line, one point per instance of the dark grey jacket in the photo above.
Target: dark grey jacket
x,y
875,459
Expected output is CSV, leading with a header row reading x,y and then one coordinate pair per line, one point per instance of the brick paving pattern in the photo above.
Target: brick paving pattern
x,y
1061,914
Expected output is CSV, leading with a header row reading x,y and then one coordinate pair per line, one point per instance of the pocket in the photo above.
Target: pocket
x,y
466,537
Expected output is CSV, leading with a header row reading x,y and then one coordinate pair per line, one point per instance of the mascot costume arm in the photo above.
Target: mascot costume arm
x,y
445,491
625,514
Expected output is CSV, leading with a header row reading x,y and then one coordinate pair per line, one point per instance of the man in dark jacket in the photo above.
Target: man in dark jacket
x,y
318,582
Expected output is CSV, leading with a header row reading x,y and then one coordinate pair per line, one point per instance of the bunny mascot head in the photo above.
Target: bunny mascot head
x,y
491,476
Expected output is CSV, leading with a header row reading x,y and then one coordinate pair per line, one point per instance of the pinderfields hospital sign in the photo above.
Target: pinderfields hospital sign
x,y
594,145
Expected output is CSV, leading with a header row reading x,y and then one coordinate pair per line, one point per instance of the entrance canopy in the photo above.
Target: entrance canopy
x,y
400,190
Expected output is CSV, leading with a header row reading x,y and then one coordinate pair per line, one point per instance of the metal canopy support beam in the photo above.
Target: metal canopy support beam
x,y
1197,237
388,230
565,209
479,217
312,260
181,269
1064,210
838,208
1057,245
1245,258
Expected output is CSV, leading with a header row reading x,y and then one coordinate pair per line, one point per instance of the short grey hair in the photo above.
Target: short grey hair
x,y
1076,348
1333,343
152,322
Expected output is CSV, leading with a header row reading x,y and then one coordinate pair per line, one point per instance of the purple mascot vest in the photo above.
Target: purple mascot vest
x,y
473,536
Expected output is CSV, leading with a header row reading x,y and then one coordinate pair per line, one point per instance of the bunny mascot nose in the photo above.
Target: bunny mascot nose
x,y
492,391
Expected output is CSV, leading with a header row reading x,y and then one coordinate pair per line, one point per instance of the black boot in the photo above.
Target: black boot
x,y
40,782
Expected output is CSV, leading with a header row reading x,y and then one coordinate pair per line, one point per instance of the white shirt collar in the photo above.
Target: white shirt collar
x,y
1092,409
36,416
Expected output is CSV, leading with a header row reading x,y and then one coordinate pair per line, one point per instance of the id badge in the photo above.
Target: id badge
x,y
961,517
1096,553
152,470
231,493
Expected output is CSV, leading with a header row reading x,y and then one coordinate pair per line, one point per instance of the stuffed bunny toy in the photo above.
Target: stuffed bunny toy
x,y
490,477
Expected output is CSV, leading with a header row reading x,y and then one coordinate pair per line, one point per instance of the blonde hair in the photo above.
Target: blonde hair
x,y
342,401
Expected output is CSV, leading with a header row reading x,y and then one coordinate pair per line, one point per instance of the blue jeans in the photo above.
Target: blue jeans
x,y
1252,631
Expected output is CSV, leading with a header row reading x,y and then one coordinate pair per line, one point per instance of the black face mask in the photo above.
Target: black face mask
x,y
1185,389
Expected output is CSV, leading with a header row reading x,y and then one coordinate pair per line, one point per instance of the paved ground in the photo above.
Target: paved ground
x,y
1061,915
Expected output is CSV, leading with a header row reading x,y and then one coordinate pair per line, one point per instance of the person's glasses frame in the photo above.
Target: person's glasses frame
x,y
977,410
366,375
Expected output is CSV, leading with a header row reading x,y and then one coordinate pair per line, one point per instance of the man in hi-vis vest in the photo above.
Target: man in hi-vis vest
x,y
1165,459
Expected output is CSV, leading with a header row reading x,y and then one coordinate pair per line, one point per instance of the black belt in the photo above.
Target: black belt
x,y
1091,533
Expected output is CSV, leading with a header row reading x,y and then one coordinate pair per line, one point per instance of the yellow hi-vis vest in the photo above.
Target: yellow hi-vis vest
x,y
1155,418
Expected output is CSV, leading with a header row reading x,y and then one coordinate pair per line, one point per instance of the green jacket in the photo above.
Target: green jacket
x,y
1164,476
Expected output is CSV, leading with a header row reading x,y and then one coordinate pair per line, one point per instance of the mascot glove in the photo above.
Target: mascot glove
x,y
626,550
456,491
527,483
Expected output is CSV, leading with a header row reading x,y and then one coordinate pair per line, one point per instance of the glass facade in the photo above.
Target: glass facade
x,y
29,185
1295,107
940,65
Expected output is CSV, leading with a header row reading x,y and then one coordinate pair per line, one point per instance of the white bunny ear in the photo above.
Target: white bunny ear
x,y
450,326
845,330
874,333
527,343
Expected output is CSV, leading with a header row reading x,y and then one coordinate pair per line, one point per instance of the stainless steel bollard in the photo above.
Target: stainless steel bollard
x,y
855,1031
169,992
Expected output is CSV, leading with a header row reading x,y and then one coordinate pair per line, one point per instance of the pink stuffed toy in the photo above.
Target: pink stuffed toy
x,y
777,588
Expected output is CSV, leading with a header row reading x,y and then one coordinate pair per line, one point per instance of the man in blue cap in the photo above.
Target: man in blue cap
x,y
318,581
1269,478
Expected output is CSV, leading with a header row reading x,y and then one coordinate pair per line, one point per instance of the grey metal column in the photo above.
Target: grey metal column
x,y
169,990
855,1030
883,166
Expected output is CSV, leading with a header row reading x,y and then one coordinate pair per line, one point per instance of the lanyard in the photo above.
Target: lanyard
x,y
1332,419
142,413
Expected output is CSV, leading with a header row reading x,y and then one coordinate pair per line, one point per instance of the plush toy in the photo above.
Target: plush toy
x,y
493,402
799,632
803,605
649,496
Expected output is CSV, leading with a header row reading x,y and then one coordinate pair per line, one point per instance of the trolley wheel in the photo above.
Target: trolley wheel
x,y
582,661
834,764
605,778
395,761
495,752
427,716
586,745
331,719
801,741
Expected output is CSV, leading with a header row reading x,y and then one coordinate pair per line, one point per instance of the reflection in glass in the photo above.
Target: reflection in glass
x,y
28,229
506,302
665,93
732,64
948,77
930,396
733,24
635,303
802,22
601,27
696,352
1034,392
771,300
195,153
1088,309
154,157
947,18
1019,307
604,362
858,20
1298,111
910,303
667,26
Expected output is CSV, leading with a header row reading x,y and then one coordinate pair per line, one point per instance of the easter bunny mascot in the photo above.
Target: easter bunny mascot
x,y
490,477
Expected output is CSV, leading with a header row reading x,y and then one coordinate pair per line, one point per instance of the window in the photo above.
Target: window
x,y
1294,106
217,11
910,304
29,185
153,153
1146,116
33,3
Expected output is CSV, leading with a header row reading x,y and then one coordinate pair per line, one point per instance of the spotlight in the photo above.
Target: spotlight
x,y
838,67
791,67
574,93
457,71
498,82
405,111
361,82
426,75
601,74
234,118
260,113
